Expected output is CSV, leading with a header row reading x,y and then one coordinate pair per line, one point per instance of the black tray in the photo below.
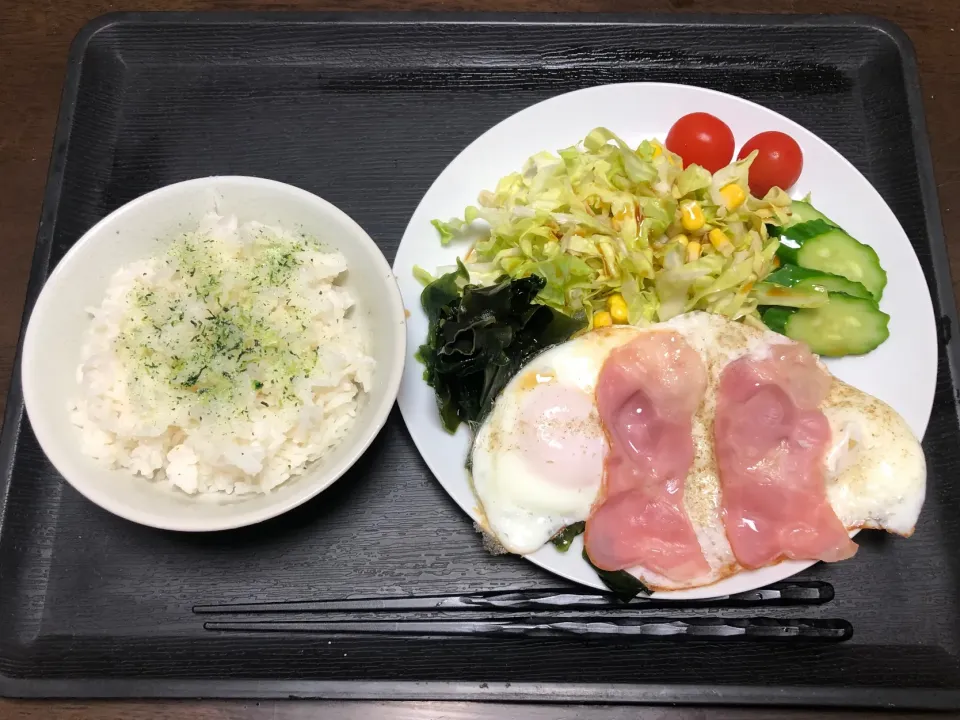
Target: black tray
x,y
366,111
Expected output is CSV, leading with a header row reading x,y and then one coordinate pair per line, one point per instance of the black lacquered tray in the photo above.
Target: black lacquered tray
x,y
393,595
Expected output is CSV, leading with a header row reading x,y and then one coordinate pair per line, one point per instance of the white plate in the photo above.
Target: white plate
x,y
902,371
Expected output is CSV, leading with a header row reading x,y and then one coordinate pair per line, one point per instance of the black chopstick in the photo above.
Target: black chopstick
x,y
712,628
785,593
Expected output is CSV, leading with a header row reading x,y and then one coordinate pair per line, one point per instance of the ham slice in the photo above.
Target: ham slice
x,y
770,439
647,393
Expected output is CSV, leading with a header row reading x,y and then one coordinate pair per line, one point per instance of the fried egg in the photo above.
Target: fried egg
x,y
538,459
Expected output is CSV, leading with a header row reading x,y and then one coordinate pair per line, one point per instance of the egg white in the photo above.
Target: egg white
x,y
876,471
523,506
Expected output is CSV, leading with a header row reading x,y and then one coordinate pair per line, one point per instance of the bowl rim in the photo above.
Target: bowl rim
x,y
387,383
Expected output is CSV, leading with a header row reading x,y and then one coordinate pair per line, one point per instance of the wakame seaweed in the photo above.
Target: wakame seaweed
x,y
563,539
480,337
623,585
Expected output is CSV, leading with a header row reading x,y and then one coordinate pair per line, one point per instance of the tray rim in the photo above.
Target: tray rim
x,y
581,693
647,693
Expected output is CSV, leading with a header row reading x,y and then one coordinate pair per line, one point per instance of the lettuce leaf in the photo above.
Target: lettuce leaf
x,y
692,179
448,230
601,218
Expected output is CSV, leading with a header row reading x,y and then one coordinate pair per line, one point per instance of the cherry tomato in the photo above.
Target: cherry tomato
x,y
701,139
778,163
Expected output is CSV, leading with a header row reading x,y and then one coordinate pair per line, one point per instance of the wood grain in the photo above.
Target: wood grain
x,y
34,39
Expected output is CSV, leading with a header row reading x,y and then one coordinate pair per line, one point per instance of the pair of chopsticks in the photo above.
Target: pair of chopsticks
x,y
533,614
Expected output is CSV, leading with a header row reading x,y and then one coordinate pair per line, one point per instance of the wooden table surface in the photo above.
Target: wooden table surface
x,y
34,37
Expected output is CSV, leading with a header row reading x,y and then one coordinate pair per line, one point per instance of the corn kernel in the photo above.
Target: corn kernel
x,y
691,216
602,319
657,150
721,242
680,239
618,309
693,251
733,196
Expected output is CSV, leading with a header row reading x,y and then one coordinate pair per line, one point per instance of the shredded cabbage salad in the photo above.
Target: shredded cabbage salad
x,y
601,219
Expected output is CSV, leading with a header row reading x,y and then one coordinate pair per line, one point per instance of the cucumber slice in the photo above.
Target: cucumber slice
x,y
844,326
768,293
801,212
798,277
776,318
837,253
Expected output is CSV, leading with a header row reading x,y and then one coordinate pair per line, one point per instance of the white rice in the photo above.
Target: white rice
x,y
224,365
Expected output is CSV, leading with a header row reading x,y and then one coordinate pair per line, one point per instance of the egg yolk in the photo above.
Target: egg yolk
x,y
560,435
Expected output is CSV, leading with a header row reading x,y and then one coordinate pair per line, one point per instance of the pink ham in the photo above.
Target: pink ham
x,y
647,393
770,440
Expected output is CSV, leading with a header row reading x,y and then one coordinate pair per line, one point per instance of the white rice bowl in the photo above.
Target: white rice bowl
x,y
144,469
244,441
